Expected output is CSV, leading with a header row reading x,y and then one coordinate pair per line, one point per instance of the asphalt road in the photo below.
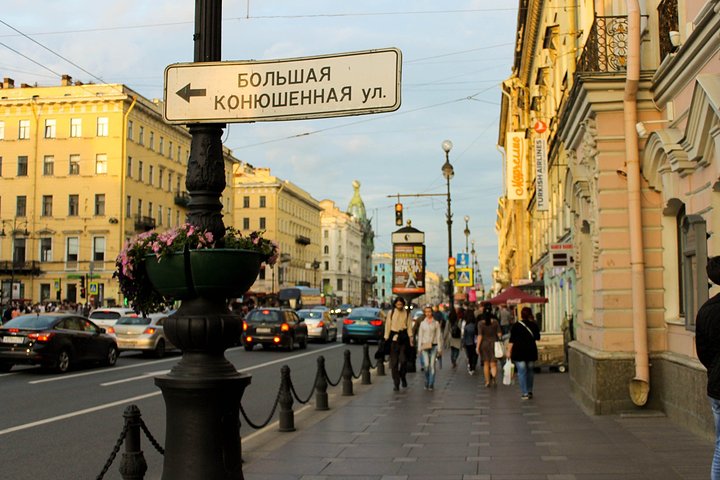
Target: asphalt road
x,y
65,426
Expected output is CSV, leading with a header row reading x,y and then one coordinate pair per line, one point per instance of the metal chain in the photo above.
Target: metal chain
x,y
114,452
333,384
356,376
266,422
297,397
152,440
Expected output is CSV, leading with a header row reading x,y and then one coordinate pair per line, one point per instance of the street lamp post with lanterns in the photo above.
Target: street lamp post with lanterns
x,y
14,257
466,232
448,173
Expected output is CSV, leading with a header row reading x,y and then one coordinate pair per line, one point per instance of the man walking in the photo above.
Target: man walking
x,y
707,342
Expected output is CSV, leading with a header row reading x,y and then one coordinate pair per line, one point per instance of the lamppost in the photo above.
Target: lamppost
x,y
14,256
448,173
315,266
467,232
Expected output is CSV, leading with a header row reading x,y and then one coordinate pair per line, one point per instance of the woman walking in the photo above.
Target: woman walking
x,y
398,331
489,332
429,340
453,337
469,337
522,350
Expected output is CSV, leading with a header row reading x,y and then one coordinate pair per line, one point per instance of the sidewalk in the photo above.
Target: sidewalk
x,y
462,430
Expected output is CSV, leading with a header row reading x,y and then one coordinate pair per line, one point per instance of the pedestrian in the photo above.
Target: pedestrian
x,y
429,341
505,319
398,335
489,332
707,343
469,338
453,338
522,350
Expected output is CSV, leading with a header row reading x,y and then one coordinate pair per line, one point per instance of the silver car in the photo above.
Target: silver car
x,y
319,324
134,332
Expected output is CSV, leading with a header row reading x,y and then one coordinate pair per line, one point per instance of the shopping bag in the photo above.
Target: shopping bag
x,y
499,350
508,369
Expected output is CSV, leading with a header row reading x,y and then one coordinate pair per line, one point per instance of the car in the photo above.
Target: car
x,y
106,317
319,324
363,324
146,334
274,327
342,310
54,340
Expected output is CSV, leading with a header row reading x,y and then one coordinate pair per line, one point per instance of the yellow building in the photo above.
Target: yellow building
x,y
288,215
83,167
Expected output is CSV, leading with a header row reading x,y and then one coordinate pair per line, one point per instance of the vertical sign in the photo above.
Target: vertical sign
x,y
463,260
541,193
516,172
408,268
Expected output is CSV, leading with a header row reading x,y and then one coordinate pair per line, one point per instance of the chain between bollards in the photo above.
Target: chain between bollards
x,y
286,414
347,376
366,365
321,386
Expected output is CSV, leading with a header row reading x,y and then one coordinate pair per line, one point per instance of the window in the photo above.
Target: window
x,y
75,127
46,249
141,137
101,164
129,167
326,250
246,202
24,130
246,223
170,149
0,166
46,209
339,283
179,181
139,207
102,127
694,275
140,170
73,205
161,146
74,166
50,124
170,175
152,140
22,166
179,157
99,204
161,174
151,174
327,266
2,130
169,216
262,223
128,206
99,249
160,215
130,130
48,165
150,209
263,200
72,247
177,217
19,250
21,206
325,234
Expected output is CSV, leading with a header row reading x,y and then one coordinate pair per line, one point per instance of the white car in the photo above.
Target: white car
x,y
319,324
146,334
106,317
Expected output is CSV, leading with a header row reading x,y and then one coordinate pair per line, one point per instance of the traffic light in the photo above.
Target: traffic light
x,y
398,214
451,268
82,286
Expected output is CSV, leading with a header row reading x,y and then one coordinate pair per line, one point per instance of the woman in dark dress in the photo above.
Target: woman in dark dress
x,y
489,332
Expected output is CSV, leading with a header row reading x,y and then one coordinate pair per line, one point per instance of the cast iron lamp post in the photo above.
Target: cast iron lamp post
x,y
466,232
14,231
448,173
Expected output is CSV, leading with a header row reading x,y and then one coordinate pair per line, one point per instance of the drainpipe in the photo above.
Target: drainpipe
x,y
639,386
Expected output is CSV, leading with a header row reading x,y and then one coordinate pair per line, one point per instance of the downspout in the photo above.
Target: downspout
x,y
639,386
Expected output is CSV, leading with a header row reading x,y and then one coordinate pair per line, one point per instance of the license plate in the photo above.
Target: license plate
x,y
14,340
361,322
263,330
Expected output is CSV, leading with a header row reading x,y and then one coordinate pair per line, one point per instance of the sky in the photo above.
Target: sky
x,y
455,54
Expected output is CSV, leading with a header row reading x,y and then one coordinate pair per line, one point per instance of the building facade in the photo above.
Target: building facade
x,y
382,272
356,209
288,215
82,169
609,126
342,251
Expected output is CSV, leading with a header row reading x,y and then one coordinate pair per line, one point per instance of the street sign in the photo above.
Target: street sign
x,y
93,288
463,259
561,254
464,277
324,86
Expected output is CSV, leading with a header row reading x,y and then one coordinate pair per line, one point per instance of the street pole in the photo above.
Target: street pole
x,y
448,173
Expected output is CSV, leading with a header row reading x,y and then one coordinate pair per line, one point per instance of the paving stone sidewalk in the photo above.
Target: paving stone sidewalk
x,y
464,431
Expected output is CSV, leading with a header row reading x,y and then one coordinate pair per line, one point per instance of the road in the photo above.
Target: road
x,y
65,426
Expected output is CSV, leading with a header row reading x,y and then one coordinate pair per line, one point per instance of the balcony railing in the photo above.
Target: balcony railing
x,y
182,199
144,224
18,267
302,240
606,47
667,22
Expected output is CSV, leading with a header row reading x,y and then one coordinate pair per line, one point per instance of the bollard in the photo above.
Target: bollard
x,y
380,368
132,464
347,376
321,396
285,401
365,369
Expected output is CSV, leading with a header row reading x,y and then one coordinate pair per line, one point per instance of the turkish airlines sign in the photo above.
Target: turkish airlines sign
x,y
516,170
541,192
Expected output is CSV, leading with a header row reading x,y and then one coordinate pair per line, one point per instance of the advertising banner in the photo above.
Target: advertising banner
x,y
541,192
516,171
408,269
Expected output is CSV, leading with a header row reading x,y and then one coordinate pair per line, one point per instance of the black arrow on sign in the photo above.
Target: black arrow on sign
x,y
186,92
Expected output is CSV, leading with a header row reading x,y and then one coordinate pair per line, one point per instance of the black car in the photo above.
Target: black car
x,y
57,341
274,327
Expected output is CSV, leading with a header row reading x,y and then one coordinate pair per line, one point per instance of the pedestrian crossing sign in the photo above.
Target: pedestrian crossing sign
x,y
464,277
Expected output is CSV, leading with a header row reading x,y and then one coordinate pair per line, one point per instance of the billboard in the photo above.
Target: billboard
x,y
408,269
516,171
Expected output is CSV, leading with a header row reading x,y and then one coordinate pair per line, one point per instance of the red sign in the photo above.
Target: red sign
x,y
540,126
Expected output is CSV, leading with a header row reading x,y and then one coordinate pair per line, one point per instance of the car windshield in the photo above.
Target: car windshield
x,y
264,315
310,314
100,315
133,321
31,322
364,314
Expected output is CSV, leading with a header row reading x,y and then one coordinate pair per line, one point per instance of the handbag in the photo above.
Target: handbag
x,y
499,350
508,373
426,346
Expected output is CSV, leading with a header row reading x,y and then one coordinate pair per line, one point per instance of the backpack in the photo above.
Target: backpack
x,y
455,330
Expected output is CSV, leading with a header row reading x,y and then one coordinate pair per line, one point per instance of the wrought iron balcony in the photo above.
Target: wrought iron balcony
x,y
182,199
302,240
18,267
144,224
667,22
606,46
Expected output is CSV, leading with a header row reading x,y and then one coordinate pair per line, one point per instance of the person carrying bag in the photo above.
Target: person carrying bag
x,y
398,341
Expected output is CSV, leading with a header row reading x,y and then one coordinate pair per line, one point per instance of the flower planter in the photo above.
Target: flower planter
x,y
212,272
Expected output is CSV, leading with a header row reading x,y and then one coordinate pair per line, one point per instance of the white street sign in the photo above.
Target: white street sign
x,y
345,84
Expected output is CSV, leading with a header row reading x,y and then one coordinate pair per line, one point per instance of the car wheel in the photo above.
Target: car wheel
x,y
160,349
112,356
248,347
5,367
325,337
62,364
303,343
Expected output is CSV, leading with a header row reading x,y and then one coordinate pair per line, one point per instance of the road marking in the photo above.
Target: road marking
x,y
131,379
134,399
102,370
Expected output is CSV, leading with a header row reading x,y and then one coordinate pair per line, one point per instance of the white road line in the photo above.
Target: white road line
x,y
141,397
99,371
132,379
